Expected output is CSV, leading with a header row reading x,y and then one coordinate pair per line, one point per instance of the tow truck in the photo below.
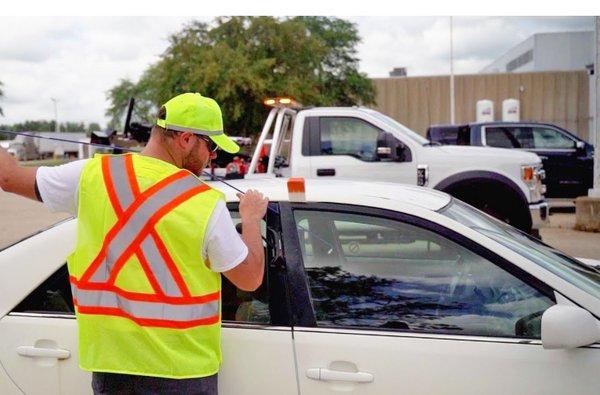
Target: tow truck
x,y
359,143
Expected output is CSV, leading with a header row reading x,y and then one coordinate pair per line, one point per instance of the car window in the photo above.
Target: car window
x,y
349,136
54,296
508,137
372,272
244,306
545,138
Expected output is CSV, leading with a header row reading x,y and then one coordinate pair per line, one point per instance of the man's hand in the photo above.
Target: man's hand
x,y
16,179
248,275
253,206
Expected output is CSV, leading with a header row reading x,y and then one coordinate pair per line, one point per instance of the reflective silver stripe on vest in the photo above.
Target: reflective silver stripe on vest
x,y
146,310
118,172
127,234
195,130
126,197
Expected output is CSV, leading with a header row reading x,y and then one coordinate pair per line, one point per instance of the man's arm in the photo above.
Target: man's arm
x,y
16,179
248,275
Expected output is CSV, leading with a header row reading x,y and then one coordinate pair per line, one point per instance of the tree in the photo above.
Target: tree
x,y
241,60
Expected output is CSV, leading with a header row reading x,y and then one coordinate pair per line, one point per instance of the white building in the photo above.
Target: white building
x,y
563,51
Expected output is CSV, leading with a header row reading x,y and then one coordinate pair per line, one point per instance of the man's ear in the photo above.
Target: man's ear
x,y
186,140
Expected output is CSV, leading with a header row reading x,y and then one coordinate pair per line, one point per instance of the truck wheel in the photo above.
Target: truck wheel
x,y
498,201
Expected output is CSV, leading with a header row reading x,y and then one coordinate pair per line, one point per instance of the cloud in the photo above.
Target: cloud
x,y
78,59
423,44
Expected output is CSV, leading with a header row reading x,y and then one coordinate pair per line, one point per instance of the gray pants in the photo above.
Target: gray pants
x,y
122,384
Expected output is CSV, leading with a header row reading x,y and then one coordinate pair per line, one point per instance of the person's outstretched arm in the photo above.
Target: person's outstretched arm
x,y
248,275
15,178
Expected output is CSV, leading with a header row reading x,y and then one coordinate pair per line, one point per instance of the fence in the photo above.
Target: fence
x,y
561,98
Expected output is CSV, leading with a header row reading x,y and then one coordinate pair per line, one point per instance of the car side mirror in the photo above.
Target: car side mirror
x,y
580,147
567,327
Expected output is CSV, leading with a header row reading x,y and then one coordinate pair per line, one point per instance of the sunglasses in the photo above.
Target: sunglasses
x,y
212,146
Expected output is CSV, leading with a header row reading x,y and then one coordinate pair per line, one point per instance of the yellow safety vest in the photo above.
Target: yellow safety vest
x,y
146,302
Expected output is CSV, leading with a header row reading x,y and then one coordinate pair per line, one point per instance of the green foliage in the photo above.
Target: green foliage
x,y
239,61
47,126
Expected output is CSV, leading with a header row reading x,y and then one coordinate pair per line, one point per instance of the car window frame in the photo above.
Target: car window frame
x,y
279,306
302,305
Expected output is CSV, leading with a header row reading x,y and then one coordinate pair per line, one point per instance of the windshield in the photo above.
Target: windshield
x,y
398,126
570,269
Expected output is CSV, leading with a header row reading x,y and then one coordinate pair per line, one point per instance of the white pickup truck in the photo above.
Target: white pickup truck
x,y
363,144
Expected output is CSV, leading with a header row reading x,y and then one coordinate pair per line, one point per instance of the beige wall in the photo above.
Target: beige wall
x,y
561,98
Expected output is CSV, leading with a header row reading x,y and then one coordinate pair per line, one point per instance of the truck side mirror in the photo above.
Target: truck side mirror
x,y
390,148
403,153
567,327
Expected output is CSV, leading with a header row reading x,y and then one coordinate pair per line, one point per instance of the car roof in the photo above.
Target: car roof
x,y
341,191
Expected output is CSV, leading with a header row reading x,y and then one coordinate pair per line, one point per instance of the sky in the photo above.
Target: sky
x,y
76,60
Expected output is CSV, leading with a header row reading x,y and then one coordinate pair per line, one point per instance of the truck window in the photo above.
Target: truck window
x,y
349,136
547,138
508,137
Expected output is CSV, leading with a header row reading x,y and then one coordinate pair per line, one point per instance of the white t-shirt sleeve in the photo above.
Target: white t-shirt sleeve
x,y
58,185
223,245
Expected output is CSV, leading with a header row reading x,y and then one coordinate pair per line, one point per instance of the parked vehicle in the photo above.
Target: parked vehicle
x,y
567,159
363,144
370,288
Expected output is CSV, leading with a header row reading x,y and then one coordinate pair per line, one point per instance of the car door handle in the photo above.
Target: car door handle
x,y
323,374
36,352
543,157
326,172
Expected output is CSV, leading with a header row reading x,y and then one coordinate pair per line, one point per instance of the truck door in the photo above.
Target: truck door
x,y
353,148
564,169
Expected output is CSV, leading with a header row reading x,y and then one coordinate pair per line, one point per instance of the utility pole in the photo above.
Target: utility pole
x,y
595,192
587,208
55,101
452,110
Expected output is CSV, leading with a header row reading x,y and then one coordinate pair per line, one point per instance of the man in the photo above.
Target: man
x,y
152,240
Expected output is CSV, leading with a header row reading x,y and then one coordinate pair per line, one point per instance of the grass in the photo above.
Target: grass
x,y
46,162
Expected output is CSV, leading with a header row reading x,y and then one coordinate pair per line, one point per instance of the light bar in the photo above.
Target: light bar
x,y
281,102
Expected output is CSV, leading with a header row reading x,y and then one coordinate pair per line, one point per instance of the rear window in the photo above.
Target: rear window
x,y
450,134
443,135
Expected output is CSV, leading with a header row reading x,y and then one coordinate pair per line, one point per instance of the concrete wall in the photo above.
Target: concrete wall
x,y
561,98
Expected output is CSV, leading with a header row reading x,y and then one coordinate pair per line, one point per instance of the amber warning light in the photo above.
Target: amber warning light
x,y
280,102
296,190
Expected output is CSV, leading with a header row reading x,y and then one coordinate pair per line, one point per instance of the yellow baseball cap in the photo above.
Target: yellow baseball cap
x,y
192,112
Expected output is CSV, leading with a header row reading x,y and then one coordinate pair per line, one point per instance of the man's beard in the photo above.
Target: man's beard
x,y
193,162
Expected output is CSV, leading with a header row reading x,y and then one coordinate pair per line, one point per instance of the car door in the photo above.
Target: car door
x,y
38,338
257,335
402,306
352,148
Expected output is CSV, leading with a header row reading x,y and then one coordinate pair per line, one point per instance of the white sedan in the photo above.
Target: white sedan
x,y
370,288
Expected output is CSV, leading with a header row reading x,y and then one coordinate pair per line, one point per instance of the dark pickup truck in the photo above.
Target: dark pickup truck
x,y
567,159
